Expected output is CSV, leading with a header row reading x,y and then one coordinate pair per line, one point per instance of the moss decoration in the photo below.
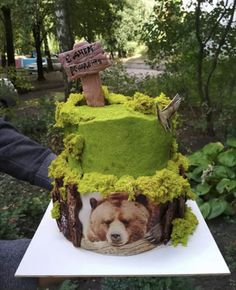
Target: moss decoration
x,y
55,212
164,186
183,228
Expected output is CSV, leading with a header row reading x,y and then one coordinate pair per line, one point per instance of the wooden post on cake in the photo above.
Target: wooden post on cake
x,y
85,61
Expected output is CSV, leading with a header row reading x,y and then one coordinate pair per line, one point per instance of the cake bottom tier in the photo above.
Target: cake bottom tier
x,y
114,224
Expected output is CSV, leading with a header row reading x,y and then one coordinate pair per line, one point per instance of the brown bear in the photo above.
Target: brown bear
x,y
117,220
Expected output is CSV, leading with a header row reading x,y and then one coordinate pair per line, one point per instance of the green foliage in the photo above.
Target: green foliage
x,y
90,19
126,29
231,255
19,78
119,81
213,174
198,53
147,283
37,124
69,285
7,92
22,207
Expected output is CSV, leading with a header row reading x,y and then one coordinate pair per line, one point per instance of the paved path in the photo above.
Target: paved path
x,y
137,66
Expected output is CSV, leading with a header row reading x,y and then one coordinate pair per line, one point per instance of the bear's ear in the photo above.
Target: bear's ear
x,y
93,202
141,199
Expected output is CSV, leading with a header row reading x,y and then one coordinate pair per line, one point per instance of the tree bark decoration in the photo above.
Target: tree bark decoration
x,y
85,61
69,223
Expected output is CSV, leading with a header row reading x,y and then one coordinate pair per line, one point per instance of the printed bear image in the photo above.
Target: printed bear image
x,y
117,220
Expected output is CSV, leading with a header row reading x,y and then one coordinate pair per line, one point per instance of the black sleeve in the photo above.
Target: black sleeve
x,y
24,158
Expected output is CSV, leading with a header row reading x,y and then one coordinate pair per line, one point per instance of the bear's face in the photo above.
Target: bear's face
x,y
117,221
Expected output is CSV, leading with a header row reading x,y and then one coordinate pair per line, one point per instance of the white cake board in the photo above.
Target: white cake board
x,y
50,254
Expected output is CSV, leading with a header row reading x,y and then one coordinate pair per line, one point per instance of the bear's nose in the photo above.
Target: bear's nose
x,y
115,237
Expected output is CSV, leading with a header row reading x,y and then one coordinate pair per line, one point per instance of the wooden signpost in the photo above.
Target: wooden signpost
x,y
85,61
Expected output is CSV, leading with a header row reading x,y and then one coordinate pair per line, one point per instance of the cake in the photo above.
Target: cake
x,y
120,185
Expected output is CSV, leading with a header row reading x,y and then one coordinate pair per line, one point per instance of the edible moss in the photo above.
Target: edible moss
x,y
56,210
142,103
117,99
162,100
76,98
97,182
59,166
177,161
183,228
126,184
74,145
164,186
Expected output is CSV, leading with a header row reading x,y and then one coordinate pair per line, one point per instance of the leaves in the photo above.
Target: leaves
x,y
215,182
218,206
198,158
226,184
231,141
202,189
211,150
228,158
205,209
196,173
221,172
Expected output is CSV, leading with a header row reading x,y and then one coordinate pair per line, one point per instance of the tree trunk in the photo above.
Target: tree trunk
x,y
48,54
9,35
203,91
3,57
37,41
64,35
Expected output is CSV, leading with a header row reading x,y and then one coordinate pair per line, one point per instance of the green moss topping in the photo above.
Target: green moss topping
x,y
174,147
126,184
59,166
162,100
143,104
164,186
117,99
105,92
183,228
76,99
107,135
96,182
56,212
178,160
74,145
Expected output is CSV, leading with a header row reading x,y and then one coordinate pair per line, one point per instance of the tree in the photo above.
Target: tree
x,y
193,41
64,36
126,28
39,16
212,32
92,19
7,22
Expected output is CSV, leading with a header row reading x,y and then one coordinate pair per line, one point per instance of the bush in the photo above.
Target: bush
x,y
22,207
18,78
147,283
213,175
36,120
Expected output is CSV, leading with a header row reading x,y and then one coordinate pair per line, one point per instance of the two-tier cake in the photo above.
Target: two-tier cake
x,y
120,185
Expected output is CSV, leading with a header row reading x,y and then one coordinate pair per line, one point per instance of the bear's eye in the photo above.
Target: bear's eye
x,y
107,222
125,222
